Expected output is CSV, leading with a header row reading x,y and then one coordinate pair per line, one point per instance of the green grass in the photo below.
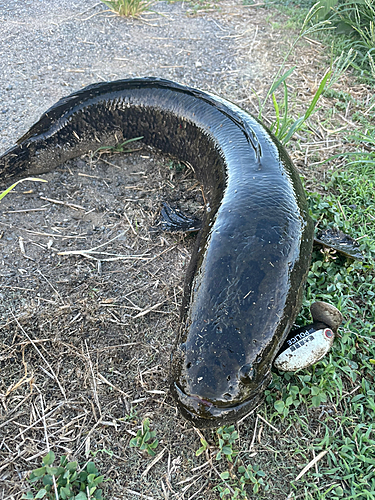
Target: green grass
x,y
239,476
127,8
353,28
341,387
344,381
355,20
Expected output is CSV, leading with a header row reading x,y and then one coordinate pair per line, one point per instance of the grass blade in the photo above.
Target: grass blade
x,y
286,120
318,94
296,126
9,189
277,123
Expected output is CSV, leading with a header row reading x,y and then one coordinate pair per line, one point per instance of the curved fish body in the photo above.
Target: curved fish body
x,y
244,284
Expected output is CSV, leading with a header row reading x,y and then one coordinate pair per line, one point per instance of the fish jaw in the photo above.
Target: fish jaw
x,y
219,391
203,413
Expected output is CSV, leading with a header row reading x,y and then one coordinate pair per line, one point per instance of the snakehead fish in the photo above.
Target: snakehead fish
x,y
244,284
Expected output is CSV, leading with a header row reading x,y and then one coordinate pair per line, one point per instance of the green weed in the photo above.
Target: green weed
x,y
103,450
127,8
350,204
143,438
285,126
132,415
227,436
253,475
203,448
355,20
235,480
230,491
65,481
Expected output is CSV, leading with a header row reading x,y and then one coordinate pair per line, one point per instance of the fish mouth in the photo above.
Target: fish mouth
x,y
205,414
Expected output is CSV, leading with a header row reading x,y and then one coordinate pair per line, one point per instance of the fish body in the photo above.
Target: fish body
x,y
244,284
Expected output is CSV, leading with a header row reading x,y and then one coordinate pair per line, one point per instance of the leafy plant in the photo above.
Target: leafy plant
x,y
293,395
9,189
252,474
203,448
233,481
227,436
236,487
65,481
143,438
354,19
127,8
230,491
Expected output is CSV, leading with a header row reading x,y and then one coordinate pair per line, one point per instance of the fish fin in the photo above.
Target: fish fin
x,y
339,241
173,220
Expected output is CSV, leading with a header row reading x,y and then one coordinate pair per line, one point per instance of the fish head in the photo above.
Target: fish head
x,y
215,383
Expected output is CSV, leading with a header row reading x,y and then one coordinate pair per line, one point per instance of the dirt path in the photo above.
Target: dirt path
x,y
85,341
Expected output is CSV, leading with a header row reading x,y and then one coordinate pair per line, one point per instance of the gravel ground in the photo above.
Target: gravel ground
x,y
47,53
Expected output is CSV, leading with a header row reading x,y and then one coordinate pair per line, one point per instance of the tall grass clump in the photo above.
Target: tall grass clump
x,y
127,8
353,23
285,126
354,19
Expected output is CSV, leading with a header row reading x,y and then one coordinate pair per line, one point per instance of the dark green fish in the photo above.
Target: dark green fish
x,y
245,281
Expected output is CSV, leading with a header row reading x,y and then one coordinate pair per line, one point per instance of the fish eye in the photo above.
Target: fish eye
x,y
247,374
